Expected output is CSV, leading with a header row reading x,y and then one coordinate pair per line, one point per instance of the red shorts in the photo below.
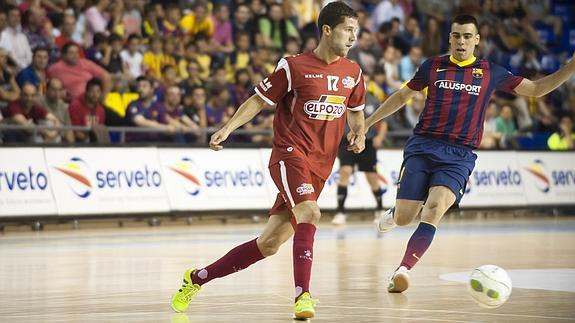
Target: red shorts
x,y
296,184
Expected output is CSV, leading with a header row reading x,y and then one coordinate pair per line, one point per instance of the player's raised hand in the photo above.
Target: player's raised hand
x,y
217,138
356,142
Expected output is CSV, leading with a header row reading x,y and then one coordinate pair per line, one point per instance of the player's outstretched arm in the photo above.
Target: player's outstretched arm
x,y
356,137
389,106
547,84
246,112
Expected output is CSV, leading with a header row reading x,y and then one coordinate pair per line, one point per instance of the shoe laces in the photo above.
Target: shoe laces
x,y
306,298
188,291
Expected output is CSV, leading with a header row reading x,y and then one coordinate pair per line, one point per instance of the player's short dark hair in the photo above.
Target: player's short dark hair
x,y
93,82
466,19
334,14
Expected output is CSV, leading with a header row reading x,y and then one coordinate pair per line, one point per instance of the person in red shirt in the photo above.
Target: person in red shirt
x,y
26,112
314,94
75,72
88,111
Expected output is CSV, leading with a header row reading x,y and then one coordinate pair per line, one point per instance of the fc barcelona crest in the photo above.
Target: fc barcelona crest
x,y
477,73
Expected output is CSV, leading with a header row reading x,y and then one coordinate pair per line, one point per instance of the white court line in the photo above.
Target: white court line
x,y
406,310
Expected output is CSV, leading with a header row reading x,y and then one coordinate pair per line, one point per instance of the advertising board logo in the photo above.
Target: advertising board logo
x,y
188,171
76,170
538,170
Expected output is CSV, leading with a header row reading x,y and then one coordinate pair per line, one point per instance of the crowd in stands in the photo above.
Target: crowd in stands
x,y
182,66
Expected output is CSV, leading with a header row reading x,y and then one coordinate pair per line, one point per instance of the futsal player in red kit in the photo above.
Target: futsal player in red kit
x,y
314,94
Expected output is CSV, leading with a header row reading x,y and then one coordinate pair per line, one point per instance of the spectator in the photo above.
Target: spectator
x,y
219,80
491,137
169,78
409,64
152,26
132,59
219,108
432,43
414,108
275,29
80,35
391,57
115,65
132,18
144,113
35,74
26,112
98,18
198,21
100,50
505,125
75,72
14,40
564,137
409,37
155,59
3,19
88,111
54,103
194,115
242,88
385,11
365,52
9,90
244,23
540,12
67,31
38,31
241,57
203,55
222,39
310,43
194,70
172,21
175,112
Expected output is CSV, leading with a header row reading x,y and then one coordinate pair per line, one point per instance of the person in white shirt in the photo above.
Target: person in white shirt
x,y
132,58
14,40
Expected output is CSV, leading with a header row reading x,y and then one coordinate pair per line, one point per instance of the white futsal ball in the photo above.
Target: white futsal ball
x,y
489,285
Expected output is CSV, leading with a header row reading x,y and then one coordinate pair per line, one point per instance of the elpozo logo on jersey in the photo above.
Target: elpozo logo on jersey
x,y
328,107
537,169
456,86
188,171
77,173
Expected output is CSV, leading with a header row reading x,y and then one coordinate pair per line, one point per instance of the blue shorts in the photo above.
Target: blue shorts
x,y
431,162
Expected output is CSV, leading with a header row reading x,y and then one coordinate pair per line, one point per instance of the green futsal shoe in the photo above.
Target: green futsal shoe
x,y
182,298
304,307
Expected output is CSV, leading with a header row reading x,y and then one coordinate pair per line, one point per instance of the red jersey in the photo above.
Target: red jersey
x,y
311,99
82,115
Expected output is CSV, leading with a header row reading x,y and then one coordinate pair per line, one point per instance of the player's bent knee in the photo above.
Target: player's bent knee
x,y
307,212
269,246
402,220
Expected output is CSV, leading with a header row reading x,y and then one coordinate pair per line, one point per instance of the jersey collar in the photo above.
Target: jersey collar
x,y
464,63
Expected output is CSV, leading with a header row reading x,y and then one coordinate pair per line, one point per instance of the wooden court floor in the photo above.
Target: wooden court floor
x,y
128,274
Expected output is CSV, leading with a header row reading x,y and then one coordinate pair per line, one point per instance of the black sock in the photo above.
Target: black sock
x,y
378,198
341,196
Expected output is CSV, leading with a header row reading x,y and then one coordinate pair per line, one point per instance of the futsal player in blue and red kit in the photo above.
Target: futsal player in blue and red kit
x,y
438,159
314,93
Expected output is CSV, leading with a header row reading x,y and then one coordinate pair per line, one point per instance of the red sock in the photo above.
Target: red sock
x,y
418,244
302,256
239,258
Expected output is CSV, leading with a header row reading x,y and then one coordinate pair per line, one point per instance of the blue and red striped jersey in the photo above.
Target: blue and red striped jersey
x,y
458,93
